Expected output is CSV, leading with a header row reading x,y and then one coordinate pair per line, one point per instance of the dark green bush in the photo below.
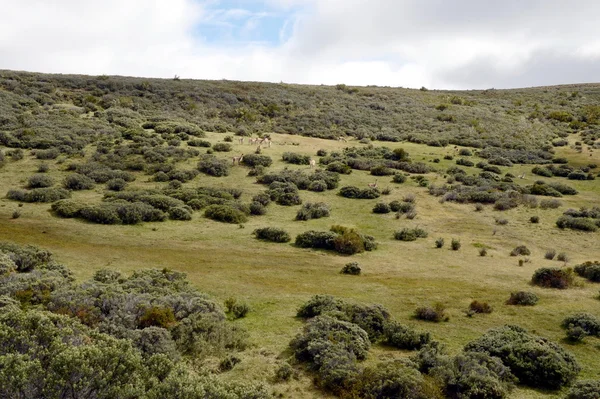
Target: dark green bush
x,y
116,184
407,234
582,224
351,268
76,181
439,243
382,170
589,323
213,166
100,214
317,186
479,307
66,208
403,337
339,167
272,234
313,210
257,209
551,277
349,243
586,389
226,214
284,193
540,188
464,162
399,178
182,213
534,219
254,160
294,158
534,360
318,305
382,207
589,270
522,298
198,143
40,181
520,250
393,380
316,239
48,194
455,244
222,147
355,192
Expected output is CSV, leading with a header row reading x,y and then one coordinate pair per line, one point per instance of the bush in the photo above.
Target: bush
x,y
48,194
552,278
199,143
550,254
294,158
586,389
588,323
239,310
483,251
349,243
589,270
272,234
222,147
226,214
535,361
582,224
257,209
407,234
522,298
436,313
393,379
100,214
562,257
40,181
480,307
317,186
284,372
66,208
212,166
455,244
399,178
339,167
76,181
351,268
229,363
284,193
318,305
382,207
520,250
311,210
180,213
439,243
316,239
403,337
254,160
550,204
50,153
534,219
116,184
382,170
355,192
464,162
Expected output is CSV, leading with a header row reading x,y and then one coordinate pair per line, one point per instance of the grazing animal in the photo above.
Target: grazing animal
x,y
252,140
373,185
237,159
241,140
522,176
258,150
312,163
342,138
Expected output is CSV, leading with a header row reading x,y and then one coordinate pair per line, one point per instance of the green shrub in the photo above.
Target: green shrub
x,y
272,234
284,372
455,244
522,298
66,208
393,379
589,323
48,194
480,307
382,170
294,158
226,214
181,213
582,224
399,178
589,270
436,313
116,184
520,250
100,214
382,207
76,181
550,204
586,389
257,209
351,268
40,181
254,160
339,167
464,162
229,363
316,239
198,143
407,234
439,243
355,192
534,360
318,305
551,277
314,210
239,310
222,147
534,219
284,193
212,166
403,337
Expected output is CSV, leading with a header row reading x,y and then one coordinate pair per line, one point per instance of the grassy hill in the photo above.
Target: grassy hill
x,y
464,149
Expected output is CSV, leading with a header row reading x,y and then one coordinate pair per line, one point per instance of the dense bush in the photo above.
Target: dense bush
x,y
534,360
553,277
213,166
464,162
284,193
222,147
522,298
393,379
588,323
254,160
294,158
550,204
76,181
586,389
382,170
382,207
520,250
40,181
434,313
355,192
582,224
351,268
316,239
313,210
589,270
399,178
116,184
407,234
272,234
455,244
339,167
318,305
479,307
226,214
48,194
403,337
198,143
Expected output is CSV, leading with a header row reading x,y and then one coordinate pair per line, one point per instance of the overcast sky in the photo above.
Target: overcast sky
x,y
445,44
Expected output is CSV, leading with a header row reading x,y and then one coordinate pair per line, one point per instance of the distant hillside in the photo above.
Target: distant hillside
x,y
41,110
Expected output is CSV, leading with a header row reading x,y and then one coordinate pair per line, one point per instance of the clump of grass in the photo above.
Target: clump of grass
x,y
534,219
482,251
479,307
439,243
520,250
455,244
550,254
562,257
522,298
351,268
435,313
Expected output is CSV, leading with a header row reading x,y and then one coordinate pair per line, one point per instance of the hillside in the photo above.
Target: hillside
x,y
441,198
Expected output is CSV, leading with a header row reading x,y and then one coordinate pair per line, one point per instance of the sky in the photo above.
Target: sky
x,y
441,44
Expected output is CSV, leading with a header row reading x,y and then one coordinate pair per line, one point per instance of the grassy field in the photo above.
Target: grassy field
x,y
225,260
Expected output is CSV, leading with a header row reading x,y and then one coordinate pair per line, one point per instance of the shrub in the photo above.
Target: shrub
x,y
586,389
393,379
582,224
66,208
257,209
403,337
321,153
198,143
254,160
455,244
589,270
534,219
181,213
16,214
349,243
550,254
316,239
439,243
314,210
100,214
226,214
562,257
284,372
382,207
355,192
239,310
157,316
40,181
407,234
294,158
464,162
116,184
587,322
318,305
339,167
523,298
552,278
317,186
272,234
480,307
535,361
482,251
550,204
229,363
520,250
212,166
48,194
382,170
399,178
351,268
50,153
222,147
284,193
436,313
76,181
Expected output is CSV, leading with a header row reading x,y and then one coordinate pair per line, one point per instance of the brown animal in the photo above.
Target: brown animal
x,y
237,159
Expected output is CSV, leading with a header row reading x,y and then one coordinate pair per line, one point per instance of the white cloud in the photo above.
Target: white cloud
x,y
435,43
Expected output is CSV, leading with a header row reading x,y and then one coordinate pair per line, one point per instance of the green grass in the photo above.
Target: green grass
x,y
225,260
